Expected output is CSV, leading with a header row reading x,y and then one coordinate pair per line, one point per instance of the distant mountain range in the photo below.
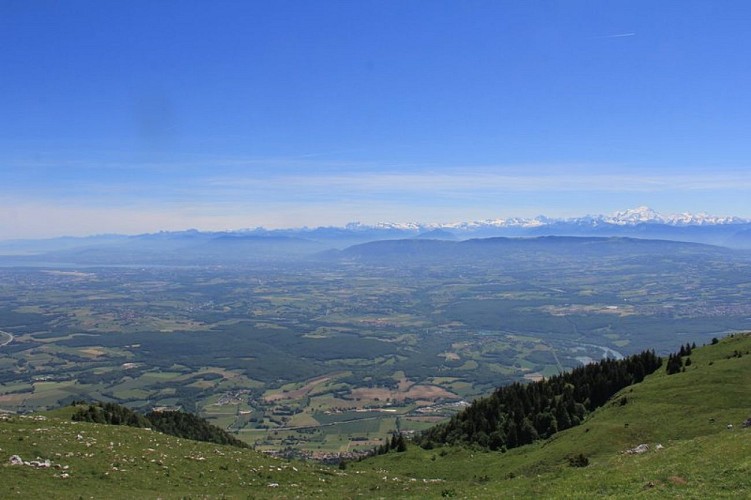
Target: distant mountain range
x,y
630,217
641,222
193,246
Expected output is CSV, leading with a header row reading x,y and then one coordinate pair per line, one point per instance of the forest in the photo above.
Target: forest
x,y
519,414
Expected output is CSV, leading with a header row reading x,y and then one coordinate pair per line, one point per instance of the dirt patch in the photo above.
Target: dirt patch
x,y
14,398
678,480
298,393
534,377
372,393
428,393
404,385
431,392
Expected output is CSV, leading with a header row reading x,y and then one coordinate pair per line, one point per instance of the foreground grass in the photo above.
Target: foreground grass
x,y
100,461
686,413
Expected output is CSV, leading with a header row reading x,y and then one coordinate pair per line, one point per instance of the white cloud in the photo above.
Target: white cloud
x,y
334,194
480,180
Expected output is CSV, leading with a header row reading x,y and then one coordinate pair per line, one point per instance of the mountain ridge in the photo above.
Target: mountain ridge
x,y
280,244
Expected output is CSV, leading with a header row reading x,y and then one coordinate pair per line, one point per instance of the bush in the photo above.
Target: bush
x,y
578,460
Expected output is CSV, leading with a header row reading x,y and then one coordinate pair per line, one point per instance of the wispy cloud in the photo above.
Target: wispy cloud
x,y
232,180
477,181
289,192
618,35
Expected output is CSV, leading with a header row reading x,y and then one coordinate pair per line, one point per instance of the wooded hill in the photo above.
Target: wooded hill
x,y
174,423
519,414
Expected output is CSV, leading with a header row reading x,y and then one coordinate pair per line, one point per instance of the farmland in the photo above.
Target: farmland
x,y
328,357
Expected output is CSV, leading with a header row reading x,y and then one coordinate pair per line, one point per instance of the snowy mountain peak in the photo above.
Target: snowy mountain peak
x,y
629,217
635,216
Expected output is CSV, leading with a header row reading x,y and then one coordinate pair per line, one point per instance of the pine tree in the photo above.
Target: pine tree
x,y
401,444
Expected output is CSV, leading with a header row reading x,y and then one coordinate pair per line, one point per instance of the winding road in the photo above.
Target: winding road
x,y
8,340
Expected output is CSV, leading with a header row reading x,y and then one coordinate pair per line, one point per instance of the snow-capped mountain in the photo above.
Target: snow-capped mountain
x,y
645,215
630,217
260,243
640,222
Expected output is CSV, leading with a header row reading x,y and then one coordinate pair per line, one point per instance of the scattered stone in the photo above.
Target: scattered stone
x,y
39,463
638,450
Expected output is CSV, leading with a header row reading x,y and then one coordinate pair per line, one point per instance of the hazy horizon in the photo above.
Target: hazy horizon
x,y
148,116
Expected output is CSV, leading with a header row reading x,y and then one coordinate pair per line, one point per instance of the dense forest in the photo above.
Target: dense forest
x,y
519,414
174,423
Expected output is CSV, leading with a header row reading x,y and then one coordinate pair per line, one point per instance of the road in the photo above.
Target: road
x,y
8,340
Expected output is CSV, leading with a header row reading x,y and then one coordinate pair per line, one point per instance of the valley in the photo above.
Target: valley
x,y
671,436
327,357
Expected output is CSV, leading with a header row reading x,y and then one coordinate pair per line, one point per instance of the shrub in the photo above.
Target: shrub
x,y
578,460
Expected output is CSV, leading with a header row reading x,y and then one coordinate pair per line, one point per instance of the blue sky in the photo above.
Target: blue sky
x,y
142,116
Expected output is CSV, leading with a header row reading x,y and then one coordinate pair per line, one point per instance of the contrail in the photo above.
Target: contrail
x,y
618,35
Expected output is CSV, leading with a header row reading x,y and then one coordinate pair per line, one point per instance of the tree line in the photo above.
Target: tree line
x,y
520,413
175,423
676,363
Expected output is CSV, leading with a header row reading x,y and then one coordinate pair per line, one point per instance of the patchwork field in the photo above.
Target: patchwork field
x,y
324,357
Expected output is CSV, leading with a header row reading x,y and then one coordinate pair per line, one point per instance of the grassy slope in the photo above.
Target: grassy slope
x,y
700,459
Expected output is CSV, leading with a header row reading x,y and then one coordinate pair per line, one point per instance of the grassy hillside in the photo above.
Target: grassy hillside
x,y
687,413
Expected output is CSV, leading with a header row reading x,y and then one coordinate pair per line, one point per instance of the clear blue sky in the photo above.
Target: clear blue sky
x,y
137,116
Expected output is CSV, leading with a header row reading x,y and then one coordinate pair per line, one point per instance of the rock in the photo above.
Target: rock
x,y
39,463
16,460
638,450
